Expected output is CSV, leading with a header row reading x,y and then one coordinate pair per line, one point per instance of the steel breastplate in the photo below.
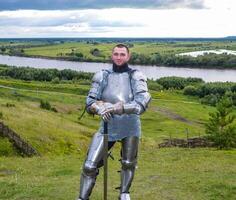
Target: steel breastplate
x,y
118,88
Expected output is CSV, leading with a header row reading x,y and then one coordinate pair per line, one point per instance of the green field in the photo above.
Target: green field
x,y
145,48
62,140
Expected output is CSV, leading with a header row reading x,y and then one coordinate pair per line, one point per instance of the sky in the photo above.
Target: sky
x,y
117,18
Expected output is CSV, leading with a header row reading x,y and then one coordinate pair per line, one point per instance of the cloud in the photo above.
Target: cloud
x,y
98,4
36,18
28,23
121,22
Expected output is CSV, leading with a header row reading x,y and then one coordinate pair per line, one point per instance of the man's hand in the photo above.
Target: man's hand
x,y
118,108
103,109
105,113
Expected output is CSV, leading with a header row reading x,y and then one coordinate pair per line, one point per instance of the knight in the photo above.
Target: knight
x,y
119,96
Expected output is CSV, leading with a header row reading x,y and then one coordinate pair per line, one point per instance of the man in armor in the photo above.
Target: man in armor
x,y
119,95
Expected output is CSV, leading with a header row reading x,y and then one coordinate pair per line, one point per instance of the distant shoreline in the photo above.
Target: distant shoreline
x,y
98,61
128,38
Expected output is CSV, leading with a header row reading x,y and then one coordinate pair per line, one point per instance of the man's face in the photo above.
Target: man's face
x,y
120,56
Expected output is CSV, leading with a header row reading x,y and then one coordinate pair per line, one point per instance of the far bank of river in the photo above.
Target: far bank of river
x,y
152,72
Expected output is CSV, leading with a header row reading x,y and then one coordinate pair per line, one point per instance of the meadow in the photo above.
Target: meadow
x,y
62,140
164,48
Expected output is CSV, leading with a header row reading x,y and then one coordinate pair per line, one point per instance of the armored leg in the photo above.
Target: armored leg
x,y
91,165
129,161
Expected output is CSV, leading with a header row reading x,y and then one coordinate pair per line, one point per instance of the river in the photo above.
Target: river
x,y
152,72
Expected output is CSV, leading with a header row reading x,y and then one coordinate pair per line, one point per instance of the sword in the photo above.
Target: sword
x,y
105,162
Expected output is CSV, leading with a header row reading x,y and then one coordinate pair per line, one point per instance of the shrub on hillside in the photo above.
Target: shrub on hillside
x,y
221,128
190,90
55,80
45,105
6,148
79,55
214,88
153,85
10,105
212,92
231,95
1,115
233,87
210,99
174,82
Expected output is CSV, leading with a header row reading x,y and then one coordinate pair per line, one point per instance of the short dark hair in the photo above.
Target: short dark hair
x,y
121,46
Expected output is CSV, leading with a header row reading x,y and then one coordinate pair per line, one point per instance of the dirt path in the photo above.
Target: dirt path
x,y
175,116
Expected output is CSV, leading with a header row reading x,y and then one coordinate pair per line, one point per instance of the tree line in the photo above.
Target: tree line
x,y
208,93
210,60
30,74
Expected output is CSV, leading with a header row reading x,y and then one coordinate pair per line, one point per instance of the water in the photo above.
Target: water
x,y
201,53
154,72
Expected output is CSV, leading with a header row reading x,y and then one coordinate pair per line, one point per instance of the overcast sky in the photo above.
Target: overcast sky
x,y
117,18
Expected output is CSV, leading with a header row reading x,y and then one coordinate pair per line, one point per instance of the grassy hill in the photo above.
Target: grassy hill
x,y
62,140
170,113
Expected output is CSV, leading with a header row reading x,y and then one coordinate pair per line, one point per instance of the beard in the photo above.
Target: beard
x,y
120,68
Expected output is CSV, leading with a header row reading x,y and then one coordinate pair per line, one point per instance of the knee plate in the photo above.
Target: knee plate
x,y
90,168
127,164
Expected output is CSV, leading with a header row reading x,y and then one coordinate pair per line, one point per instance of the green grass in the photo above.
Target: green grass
x,y
62,140
162,174
6,148
64,128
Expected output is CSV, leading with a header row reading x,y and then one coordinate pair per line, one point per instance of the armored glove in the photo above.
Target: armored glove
x,y
118,108
103,109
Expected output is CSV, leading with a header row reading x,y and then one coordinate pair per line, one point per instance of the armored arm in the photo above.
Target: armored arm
x,y
93,103
141,95
94,94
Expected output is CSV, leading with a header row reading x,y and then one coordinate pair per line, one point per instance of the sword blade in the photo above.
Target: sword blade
x,y
105,135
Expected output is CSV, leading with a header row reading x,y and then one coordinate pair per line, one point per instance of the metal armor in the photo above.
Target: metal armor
x,y
112,87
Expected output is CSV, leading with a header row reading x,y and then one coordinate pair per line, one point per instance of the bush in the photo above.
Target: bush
x,y
153,85
1,115
231,95
221,128
214,88
79,55
95,52
10,105
45,105
212,92
6,148
233,87
55,80
210,99
174,82
190,90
